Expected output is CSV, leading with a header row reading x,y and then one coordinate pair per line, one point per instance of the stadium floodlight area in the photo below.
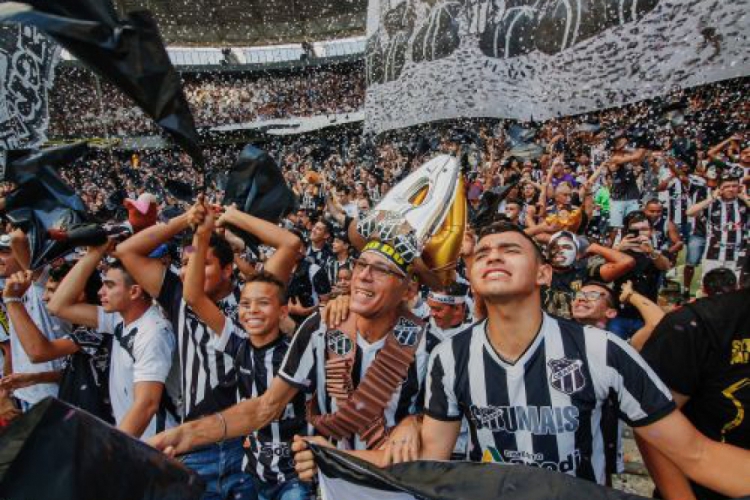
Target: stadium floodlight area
x,y
240,56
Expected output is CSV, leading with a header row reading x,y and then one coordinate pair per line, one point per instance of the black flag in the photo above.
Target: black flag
x,y
82,458
257,186
343,477
129,52
42,201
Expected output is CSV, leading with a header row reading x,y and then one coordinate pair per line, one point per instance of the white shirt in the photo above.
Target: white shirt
x,y
52,328
142,351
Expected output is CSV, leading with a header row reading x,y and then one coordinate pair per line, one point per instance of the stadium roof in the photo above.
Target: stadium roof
x,y
252,22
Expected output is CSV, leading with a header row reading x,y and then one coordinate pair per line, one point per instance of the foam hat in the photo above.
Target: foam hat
x,y
424,216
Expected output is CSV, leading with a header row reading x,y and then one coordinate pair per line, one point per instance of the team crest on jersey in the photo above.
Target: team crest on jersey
x,y
567,375
339,343
406,332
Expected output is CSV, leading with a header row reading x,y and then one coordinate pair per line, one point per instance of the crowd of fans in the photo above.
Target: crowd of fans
x,y
624,206
81,105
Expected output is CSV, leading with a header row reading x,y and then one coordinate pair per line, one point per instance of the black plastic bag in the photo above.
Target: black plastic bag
x,y
42,201
61,452
257,186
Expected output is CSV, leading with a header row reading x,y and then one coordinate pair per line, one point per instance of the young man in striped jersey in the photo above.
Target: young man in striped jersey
x,y
209,380
257,348
532,386
726,224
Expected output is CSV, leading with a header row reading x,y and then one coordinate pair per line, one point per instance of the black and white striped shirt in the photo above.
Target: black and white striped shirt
x,y
268,453
207,377
333,266
698,193
545,409
304,368
679,198
726,224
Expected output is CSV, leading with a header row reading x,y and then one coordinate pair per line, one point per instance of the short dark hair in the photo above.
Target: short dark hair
x,y
718,281
57,273
266,277
222,250
612,300
503,226
635,217
127,277
653,201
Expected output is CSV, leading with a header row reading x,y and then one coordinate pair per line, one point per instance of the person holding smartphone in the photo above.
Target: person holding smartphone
x,y
645,276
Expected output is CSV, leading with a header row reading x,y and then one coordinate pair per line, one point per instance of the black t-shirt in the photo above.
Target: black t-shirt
x,y
645,278
703,351
85,374
624,184
558,296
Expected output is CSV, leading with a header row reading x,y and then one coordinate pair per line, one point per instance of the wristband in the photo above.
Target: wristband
x,y
9,300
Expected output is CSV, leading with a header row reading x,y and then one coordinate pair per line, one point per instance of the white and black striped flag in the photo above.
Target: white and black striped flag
x,y
344,477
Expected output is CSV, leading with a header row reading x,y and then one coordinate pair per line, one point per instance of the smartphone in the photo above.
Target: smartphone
x,y
633,233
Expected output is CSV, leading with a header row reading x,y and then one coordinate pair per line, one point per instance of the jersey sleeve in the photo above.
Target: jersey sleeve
x,y
677,351
170,295
643,398
230,340
152,354
88,340
440,398
106,322
298,366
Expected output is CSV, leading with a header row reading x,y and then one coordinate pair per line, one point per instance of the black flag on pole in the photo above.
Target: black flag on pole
x,y
42,202
344,477
61,452
128,52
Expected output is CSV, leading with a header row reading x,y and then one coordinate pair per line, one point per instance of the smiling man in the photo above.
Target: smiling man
x,y
532,386
377,355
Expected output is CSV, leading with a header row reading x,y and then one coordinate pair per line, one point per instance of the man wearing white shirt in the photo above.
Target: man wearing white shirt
x,y
51,327
143,377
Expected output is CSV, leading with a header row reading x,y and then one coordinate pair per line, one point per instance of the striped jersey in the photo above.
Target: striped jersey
x,y
698,193
726,223
545,409
268,454
304,368
679,198
207,377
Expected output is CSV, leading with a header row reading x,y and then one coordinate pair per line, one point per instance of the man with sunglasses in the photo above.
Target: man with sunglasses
x,y
339,367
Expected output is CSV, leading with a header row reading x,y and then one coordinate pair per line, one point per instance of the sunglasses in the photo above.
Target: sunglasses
x,y
379,272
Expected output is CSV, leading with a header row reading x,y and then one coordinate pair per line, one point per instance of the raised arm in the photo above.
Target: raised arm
x,y
38,347
618,263
195,277
19,245
134,253
239,420
702,205
718,466
287,245
65,301
651,313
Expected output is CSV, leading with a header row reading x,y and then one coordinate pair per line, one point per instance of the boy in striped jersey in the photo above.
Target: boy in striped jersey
x,y
257,348
209,380
532,386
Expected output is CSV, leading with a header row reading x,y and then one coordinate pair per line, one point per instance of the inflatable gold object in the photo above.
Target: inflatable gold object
x,y
442,250
423,215
568,220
